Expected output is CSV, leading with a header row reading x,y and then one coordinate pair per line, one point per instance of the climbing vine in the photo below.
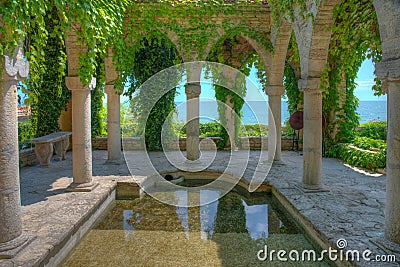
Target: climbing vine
x,y
97,108
355,37
48,93
154,56
122,24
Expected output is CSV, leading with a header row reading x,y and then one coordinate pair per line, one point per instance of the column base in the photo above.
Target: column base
x,y
386,245
194,162
10,249
311,188
278,162
114,162
85,187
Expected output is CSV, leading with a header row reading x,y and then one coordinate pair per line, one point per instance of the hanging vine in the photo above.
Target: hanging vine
x,y
48,93
355,37
97,108
155,55
194,25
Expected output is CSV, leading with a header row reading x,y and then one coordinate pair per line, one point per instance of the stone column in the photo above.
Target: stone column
x,y
12,238
389,72
312,134
392,230
193,91
81,135
114,126
275,93
230,122
113,112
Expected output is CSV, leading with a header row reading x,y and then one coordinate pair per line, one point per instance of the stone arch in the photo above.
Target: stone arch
x,y
274,62
313,38
193,54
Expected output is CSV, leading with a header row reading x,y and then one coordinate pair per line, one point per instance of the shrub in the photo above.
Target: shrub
x,y
374,130
368,143
365,159
207,129
256,130
26,131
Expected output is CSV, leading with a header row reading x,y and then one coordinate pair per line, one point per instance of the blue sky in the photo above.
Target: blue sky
x,y
365,81
364,92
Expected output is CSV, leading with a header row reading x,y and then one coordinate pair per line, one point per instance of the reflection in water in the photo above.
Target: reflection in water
x,y
230,214
256,220
182,209
227,232
208,213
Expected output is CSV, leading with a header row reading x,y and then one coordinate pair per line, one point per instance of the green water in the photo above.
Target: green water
x,y
227,232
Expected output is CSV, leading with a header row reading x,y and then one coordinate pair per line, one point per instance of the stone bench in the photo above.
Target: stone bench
x,y
44,147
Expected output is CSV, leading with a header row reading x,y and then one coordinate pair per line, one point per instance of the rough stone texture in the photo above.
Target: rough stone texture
x,y
389,20
113,124
193,91
27,157
274,115
81,131
393,164
44,152
44,146
312,140
249,142
388,13
353,209
65,120
113,111
11,235
230,121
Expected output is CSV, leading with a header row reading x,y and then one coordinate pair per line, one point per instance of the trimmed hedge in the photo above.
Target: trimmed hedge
x,y
374,130
362,158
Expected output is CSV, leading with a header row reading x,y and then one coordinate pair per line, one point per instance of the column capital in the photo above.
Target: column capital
x,y
74,84
192,90
389,69
110,68
310,85
275,90
110,89
16,68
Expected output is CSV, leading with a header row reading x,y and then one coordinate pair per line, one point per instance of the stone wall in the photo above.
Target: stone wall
x,y
27,157
254,143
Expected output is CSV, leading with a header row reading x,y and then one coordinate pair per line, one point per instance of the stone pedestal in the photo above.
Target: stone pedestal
x,y
312,135
274,93
12,239
114,126
81,136
193,91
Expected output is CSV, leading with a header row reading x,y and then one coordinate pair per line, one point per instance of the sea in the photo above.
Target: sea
x,y
256,111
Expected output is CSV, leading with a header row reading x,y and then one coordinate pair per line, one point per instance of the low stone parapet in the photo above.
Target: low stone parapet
x,y
27,157
206,143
